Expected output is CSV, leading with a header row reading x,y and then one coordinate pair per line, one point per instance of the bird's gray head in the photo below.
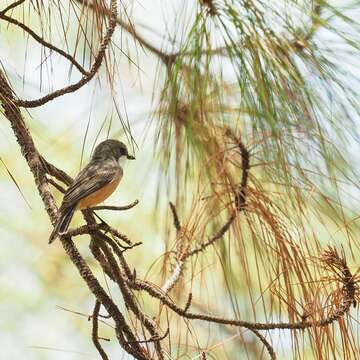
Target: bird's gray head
x,y
112,148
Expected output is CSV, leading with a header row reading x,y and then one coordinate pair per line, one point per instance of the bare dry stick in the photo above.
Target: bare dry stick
x,y
175,215
116,208
43,42
11,6
94,333
56,185
267,345
177,272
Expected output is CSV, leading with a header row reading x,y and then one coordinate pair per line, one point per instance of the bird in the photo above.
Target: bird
x,y
96,182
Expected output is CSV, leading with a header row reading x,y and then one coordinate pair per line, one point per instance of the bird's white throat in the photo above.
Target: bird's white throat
x,y
122,161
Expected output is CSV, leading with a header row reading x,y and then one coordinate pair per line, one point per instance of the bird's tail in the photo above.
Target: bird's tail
x,y
62,223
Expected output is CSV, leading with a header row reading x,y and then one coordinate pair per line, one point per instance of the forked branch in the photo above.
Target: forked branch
x,y
87,76
239,195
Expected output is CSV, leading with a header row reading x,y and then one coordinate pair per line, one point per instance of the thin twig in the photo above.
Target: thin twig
x,y
56,185
188,303
11,6
94,333
177,224
267,345
174,277
116,208
220,233
43,42
56,172
155,339
91,228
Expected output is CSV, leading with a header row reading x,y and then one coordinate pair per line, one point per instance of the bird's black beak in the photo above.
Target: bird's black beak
x,y
130,157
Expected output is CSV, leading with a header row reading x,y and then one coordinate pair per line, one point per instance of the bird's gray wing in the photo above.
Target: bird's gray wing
x,y
92,178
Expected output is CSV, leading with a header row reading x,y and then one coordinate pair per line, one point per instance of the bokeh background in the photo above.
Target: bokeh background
x,y
43,302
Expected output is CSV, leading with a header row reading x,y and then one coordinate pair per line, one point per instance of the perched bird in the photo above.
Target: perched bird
x,y
96,182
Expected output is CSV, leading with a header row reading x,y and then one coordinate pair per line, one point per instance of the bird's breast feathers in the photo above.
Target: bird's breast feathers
x,y
101,194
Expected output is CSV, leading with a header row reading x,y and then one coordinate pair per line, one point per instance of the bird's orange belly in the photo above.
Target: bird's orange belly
x,y
98,196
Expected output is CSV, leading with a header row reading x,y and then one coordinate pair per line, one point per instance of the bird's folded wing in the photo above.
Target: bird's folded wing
x,y
86,183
